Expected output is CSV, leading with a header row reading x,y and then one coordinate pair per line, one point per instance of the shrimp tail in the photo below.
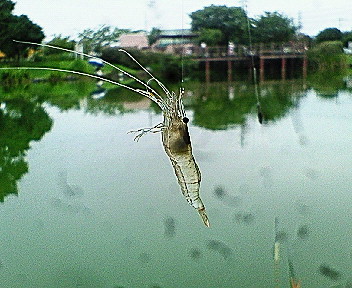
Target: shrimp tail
x,y
204,216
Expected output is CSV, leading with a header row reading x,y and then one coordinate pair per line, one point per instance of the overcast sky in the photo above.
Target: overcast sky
x,y
69,17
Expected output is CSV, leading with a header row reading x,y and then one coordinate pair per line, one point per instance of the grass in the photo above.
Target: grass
x,y
75,65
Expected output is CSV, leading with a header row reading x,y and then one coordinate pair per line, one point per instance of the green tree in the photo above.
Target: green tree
x,y
273,27
328,56
59,41
329,34
16,28
154,35
347,37
96,40
231,21
210,36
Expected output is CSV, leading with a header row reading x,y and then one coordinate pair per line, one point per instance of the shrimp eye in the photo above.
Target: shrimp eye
x,y
185,120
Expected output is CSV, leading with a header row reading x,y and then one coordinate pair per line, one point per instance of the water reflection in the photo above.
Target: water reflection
x,y
170,227
220,247
195,254
329,272
21,121
295,179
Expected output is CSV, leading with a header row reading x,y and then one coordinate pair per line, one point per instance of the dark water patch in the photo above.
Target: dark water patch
x,y
195,253
266,175
169,227
244,218
220,247
144,258
312,174
70,208
281,236
67,189
329,272
348,283
302,208
221,194
303,232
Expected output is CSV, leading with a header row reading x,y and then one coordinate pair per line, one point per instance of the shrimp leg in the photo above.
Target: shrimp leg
x,y
156,129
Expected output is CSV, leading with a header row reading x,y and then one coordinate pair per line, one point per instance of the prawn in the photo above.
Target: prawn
x,y
174,128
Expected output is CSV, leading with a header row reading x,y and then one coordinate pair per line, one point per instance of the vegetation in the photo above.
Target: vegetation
x,y
329,34
218,25
328,56
273,27
16,27
230,22
96,40
166,66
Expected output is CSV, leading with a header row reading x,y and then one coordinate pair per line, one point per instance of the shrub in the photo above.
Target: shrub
x,y
328,56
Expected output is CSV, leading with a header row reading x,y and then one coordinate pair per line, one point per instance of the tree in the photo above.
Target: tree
x,y
329,34
59,41
16,28
273,27
347,37
96,40
154,35
230,21
210,36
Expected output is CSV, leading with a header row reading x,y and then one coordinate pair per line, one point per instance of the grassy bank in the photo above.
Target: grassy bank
x,y
26,76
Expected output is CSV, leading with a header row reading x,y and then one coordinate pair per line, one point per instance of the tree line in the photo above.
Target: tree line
x,y
215,25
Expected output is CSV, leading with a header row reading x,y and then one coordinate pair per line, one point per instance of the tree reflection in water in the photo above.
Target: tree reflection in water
x,y
20,123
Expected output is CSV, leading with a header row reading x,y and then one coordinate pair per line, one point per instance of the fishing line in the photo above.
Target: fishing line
x,y
183,46
251,52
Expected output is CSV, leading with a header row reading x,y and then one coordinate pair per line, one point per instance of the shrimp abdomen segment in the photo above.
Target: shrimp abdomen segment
x,y
189,177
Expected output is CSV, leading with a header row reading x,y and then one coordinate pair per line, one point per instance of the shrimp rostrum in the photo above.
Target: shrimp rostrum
x,y
174,128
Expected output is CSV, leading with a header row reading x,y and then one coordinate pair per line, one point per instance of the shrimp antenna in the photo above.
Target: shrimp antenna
x,y
166,91
105,62
139,91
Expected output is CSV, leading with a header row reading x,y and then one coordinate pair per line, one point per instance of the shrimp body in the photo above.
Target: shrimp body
x,y
177,145
175,136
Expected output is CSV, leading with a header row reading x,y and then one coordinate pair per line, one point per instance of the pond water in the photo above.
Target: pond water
x,y
83,205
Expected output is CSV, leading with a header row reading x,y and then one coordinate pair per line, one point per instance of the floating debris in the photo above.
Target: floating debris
x,y
220,248
329,272
170,227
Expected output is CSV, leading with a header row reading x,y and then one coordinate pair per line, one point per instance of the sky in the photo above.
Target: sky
x,y
70,17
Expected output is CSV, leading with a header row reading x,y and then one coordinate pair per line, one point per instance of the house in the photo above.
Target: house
x,y
175,41
175,37
134,40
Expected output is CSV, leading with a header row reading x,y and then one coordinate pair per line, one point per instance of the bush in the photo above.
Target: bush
x,y
328,56
14,77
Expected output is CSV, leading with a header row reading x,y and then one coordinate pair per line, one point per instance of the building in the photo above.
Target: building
x,y
175,41
134,40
